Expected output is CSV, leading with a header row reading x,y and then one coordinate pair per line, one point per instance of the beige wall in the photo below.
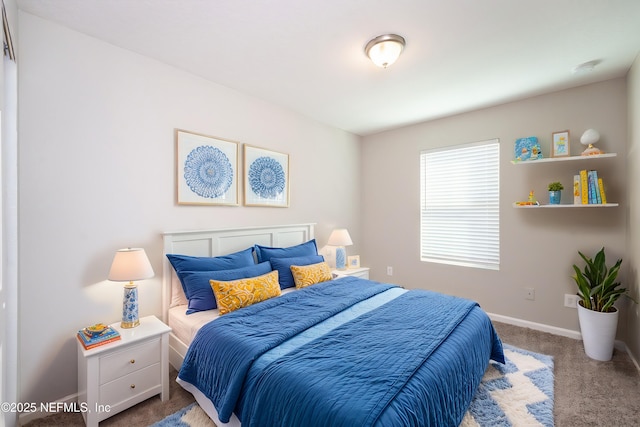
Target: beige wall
x,y
97,173
632,325
538,247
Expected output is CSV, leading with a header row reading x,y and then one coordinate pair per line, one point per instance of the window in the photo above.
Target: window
x,y
459,205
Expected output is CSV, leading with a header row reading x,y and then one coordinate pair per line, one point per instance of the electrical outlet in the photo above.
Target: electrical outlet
x,y
530,293
571,301
389,271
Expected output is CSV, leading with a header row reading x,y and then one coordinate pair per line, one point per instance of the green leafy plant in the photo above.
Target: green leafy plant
x,y
597,286
556,186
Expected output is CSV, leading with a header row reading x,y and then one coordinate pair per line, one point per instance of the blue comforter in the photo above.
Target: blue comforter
x,y
416,358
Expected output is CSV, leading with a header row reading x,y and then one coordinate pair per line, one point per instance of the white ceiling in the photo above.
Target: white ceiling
x,y
307,55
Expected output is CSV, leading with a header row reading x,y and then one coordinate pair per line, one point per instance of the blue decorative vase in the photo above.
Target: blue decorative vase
x,y
554,197
341,258
130,307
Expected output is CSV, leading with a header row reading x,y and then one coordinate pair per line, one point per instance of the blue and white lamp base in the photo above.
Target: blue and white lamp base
x,y
130,307
341,258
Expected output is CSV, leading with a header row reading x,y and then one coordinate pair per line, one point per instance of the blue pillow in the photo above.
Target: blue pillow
x,y
283,265
265,253
239,259
196,284
182,263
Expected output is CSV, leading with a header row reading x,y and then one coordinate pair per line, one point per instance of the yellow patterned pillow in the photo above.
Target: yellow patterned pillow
x,y
307,275
235,294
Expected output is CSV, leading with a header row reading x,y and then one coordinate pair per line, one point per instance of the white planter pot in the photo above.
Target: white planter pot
x,y
598,332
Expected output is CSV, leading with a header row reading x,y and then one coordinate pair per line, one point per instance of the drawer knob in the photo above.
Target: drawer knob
x,y
132,361
132,386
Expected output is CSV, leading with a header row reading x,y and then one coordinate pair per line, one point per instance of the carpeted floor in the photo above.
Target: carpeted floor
x,y
587,392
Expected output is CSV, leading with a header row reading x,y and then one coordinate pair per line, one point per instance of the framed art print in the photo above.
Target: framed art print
x,y
206,169
526,149
266,177
560,144
353,261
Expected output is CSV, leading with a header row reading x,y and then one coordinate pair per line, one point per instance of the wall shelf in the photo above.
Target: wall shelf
x,y
561,206
563,159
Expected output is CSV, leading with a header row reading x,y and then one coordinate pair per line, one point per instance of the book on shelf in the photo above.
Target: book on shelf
x,y
584,188
596,187
91,341
592,179
590,187
577,195
602,194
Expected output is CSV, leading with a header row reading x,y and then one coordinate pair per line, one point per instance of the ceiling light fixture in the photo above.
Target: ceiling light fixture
x,y
586,67
384,50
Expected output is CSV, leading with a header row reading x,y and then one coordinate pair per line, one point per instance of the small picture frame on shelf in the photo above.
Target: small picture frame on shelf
x,y
353,261
527,149
560,144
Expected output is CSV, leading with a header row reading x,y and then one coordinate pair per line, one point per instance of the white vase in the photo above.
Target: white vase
x,y
598,332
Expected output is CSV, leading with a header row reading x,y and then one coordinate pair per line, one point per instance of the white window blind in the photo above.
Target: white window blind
x,y
460,198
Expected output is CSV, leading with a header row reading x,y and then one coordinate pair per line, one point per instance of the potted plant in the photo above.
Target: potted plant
x,y
598,291
555,191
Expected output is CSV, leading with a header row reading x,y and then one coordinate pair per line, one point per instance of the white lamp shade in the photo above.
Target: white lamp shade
x,y
340,237
130,264
590,136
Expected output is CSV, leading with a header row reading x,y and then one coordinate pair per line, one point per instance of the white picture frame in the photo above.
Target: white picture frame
x,y
266,177
206,169
353,261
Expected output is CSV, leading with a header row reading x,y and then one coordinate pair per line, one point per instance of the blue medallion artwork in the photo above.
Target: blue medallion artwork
x,y
208,172
266,177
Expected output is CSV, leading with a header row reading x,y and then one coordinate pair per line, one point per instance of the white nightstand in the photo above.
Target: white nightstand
x,y
362,272
123,373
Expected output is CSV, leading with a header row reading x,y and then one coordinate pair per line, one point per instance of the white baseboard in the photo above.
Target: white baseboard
x,y
624,347
619,345
536,326
26,417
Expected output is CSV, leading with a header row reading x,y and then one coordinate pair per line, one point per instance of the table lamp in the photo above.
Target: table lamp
x,y
340,238
128,265
588,138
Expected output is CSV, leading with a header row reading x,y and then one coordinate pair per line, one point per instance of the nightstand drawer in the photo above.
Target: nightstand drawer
x,y
362,272
129,386
128,360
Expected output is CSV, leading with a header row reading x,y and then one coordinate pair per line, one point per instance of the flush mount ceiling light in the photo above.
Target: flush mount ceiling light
x,y
585,67
384,50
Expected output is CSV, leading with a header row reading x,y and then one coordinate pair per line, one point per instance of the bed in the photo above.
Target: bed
x,y
347,351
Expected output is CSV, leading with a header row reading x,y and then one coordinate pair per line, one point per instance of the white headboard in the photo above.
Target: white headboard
x,y
217,242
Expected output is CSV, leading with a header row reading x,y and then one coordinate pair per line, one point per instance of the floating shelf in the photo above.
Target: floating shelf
x,y
605,205
563,159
